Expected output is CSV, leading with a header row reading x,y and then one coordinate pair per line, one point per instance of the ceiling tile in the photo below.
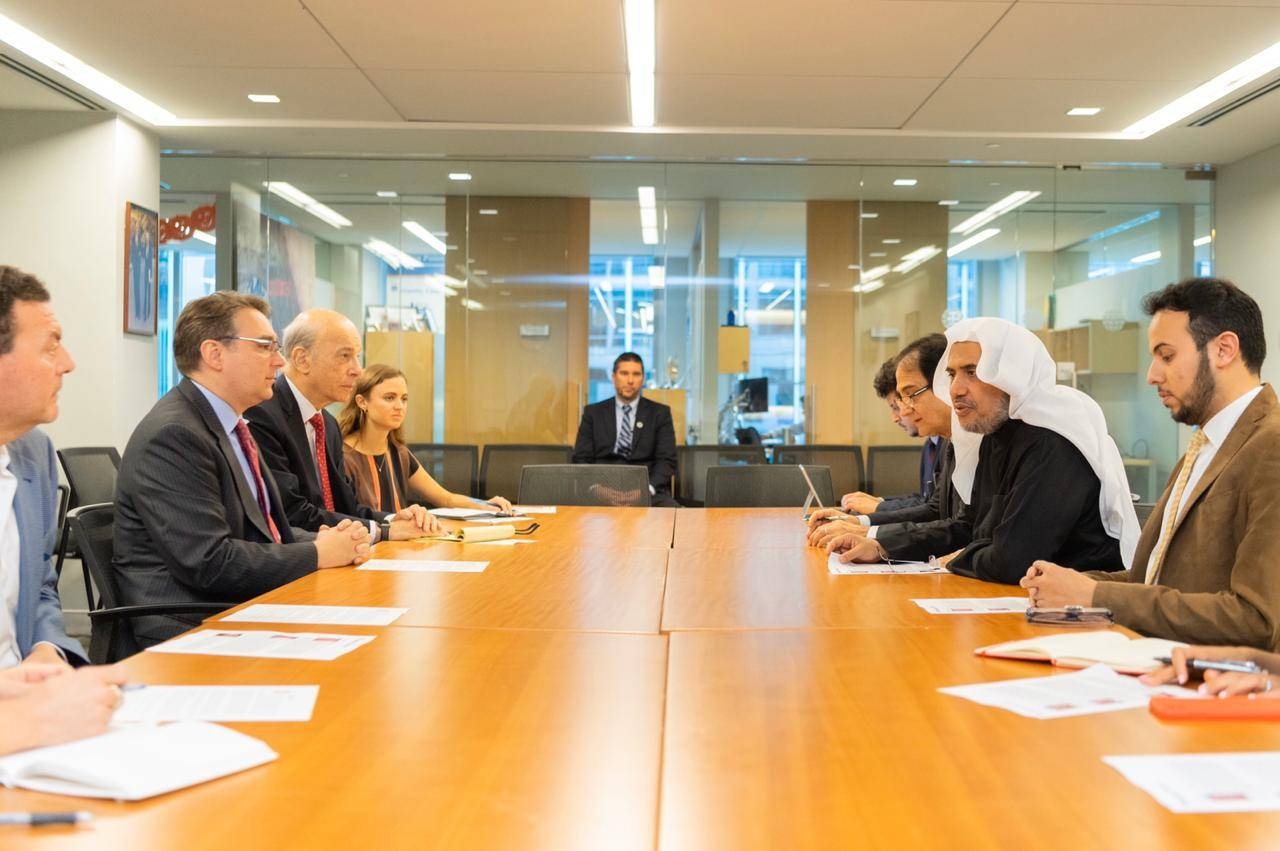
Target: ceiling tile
x,y
223,93
17,91
506,97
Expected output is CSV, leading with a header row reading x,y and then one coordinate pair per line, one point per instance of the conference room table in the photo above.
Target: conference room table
x,y
755,701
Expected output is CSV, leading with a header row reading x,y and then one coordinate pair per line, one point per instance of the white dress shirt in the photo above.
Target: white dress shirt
x,y
10,565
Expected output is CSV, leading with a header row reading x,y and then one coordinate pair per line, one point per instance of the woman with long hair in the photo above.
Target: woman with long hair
x,y
380,465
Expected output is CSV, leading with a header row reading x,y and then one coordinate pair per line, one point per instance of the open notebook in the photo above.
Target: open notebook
x,y
1082,649
136,762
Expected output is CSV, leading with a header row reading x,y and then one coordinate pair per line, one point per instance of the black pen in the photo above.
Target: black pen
x,y
42,819
1213,665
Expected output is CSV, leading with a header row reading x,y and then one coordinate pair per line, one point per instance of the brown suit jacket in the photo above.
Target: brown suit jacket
x,y
1220,583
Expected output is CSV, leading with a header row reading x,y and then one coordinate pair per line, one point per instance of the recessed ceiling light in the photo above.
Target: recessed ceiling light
x,y
891,241
386,193
488,211
1204,240
638,23
966,244
392,256
459,175
993,145
1084,110
877,254
870,215
948,203
915,258
1219,87
905,181
265,98
50,55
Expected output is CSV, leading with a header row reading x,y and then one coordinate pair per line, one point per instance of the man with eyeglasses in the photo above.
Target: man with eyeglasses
x,y
198,515
300,440
859,502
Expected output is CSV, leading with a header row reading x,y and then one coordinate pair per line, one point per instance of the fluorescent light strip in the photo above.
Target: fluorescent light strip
x,y
472,304
265,98
394,257
777,301
948,203
426,236
459,175
1079,111
766,288
915,258
1204,240
298,198
1145,258
648,198
996,210
604,305
204,236
1198,98
638,18
50,55
877,272
657,277
1103,272
905,181
869,287
966,244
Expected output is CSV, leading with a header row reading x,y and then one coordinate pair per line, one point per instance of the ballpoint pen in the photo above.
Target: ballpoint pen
x,y
43,819
1215,665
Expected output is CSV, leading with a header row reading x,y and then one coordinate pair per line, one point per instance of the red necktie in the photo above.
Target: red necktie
x,y
250,449
322,459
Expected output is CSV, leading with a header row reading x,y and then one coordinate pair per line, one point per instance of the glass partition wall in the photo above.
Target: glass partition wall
x,y
762,297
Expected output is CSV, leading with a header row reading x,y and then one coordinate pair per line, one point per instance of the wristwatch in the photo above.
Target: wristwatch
x,y
384,531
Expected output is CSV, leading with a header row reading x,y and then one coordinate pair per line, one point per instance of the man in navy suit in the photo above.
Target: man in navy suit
x,y
32,363
629,429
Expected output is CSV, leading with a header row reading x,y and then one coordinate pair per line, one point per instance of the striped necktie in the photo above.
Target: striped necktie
x,y
623,449
1170,523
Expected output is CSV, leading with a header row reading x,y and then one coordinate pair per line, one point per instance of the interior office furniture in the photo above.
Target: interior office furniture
x,y
456,466
584,484
845,463
692,463
501,463
765,485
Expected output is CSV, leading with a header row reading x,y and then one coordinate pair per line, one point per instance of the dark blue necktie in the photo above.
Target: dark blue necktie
x,y
624,434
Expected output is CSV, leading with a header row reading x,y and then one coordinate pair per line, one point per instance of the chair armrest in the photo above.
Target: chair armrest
x,y
130,612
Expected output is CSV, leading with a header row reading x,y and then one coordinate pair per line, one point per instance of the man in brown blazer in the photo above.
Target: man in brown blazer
x,y
1206,569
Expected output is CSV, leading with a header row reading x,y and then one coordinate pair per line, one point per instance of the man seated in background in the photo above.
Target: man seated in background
x,y
931,418
629,429
1033,462
886,387
198,515
301,442
1205,570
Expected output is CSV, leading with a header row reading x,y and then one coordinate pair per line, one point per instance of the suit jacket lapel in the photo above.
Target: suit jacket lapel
x,y
1236,438
639,423
297,430
611,422
26,513
247,501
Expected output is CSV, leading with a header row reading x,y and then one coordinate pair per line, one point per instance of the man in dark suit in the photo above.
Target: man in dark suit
x,y
301,441
198,516
629,429
32,363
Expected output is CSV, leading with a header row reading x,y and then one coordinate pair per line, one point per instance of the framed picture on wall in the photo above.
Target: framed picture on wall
x,y
141,269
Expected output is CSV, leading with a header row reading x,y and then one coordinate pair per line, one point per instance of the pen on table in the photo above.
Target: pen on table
x,y
133,687
42,819
1213,665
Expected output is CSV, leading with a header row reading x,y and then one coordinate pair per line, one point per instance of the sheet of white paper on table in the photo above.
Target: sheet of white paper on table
x,y
496,521
506,542
1245,782
264,644
974,605
534,509
834,566
406,565
345,615
217,703
1093,690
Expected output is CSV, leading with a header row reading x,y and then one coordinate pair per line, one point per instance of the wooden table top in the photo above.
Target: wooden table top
x,y
791,588
576,526
527,586
421,739
712,528
840,739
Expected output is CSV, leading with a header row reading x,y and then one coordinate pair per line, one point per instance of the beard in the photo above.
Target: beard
x,y
1195,406
989,422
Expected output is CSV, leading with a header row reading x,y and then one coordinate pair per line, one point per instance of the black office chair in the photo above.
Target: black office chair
x,y
584,484
90,472
502,462
111,638
845,462
456,466
1143,510
766,486
893,470
692,463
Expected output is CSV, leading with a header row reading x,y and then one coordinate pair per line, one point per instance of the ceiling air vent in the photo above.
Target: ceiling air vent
x,y
48,82
1248,97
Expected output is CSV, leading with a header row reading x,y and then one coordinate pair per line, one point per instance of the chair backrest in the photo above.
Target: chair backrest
x,y
91,526
501,464
845,462
893,470
91,473
692,463
1143,510
766,486
456,466
584,484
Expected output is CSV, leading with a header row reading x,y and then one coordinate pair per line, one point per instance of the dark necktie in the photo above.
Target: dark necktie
x,y
624,434
322,459
930,466
250,449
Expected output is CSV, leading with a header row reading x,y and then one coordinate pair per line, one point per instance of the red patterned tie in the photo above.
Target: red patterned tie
x,y
322,459
250,449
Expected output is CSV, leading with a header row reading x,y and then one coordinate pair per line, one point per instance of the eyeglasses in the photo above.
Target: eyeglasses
x,y
909,400
267,346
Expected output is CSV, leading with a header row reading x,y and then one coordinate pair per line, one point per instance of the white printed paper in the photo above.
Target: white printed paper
x,y
344,615
406,565
217,703
534,509
974,605
496,521
506,542
1093,690
1246,782
913,567
265,644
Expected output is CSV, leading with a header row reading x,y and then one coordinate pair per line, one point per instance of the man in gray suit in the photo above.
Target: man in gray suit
x,y
32,363
198,515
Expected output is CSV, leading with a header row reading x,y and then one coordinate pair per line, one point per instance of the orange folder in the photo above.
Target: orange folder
x,y
1243,708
